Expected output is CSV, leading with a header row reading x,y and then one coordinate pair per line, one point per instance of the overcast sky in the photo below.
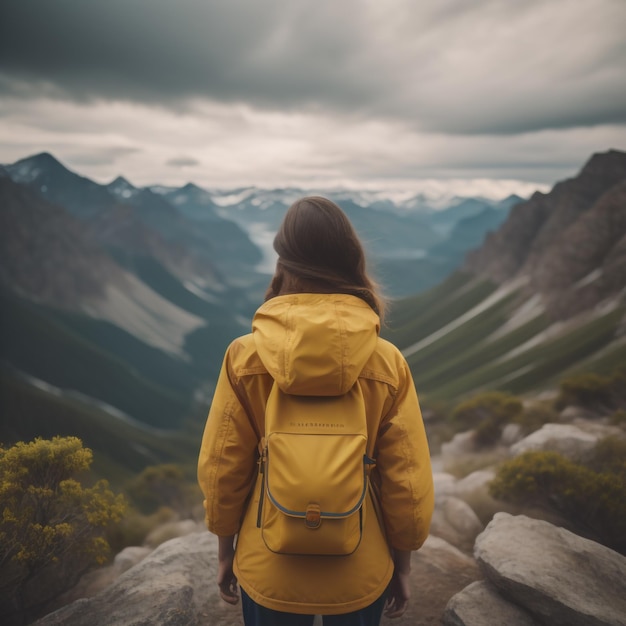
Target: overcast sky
x,y
365,93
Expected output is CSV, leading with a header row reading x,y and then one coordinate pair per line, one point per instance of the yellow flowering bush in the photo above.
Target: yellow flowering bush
x,y
52,528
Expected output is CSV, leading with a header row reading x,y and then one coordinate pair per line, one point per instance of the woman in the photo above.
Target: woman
x,y
321,309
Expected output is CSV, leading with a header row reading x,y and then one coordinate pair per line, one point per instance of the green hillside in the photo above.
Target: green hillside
x,y
455,340
62,350
121,448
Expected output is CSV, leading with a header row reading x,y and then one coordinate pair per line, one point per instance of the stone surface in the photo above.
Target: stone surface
x,y
511,433
438,572
479,604
474,490
570,441
444,484
455,521
129,557
461,445
173,586
172,529
561,578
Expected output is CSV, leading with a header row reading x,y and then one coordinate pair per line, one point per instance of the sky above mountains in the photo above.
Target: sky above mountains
x,y
492,97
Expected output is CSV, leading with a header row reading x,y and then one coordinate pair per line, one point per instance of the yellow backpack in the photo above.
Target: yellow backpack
x,y
314,465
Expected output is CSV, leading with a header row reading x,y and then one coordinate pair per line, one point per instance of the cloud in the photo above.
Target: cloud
x,y
182,162
224,145
445,66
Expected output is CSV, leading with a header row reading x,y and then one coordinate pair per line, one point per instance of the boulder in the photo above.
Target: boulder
x,y
511,433
455,521
479,604
474,490
459,447
96,580
173,586
444,484
129,557
438,572
560,578
571,441
170,530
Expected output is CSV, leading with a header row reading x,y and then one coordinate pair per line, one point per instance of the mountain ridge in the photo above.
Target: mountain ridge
x,y
549,236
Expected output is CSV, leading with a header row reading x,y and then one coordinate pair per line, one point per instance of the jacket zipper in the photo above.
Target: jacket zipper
x,y
262,459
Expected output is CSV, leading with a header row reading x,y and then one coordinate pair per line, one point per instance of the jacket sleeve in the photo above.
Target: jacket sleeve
x,y
227,460
403,464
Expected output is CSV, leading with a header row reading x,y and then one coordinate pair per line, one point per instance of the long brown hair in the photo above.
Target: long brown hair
x,y
320,252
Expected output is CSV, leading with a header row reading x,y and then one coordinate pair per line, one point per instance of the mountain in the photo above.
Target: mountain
x,y
47,254
569,243
541,298
105,305
468,232
73,317
118,302
46,176
409,249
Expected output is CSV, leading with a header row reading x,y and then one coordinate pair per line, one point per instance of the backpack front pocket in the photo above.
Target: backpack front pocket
x,y
314,488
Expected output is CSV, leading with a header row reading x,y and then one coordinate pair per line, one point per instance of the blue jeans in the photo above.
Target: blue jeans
x,y
256,615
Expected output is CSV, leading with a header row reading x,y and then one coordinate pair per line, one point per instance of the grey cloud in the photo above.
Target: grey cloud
x,y
446,65
182,162
98,155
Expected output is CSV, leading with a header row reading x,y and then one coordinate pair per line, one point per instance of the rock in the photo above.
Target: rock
x,y
574,413
129,557
511,434
170,530
96,580
444,484
479,604
476,483
438,572
173,586
474,490
570,441
455,521
560,578
461,445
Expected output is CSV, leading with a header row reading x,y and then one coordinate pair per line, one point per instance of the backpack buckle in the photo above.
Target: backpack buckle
x,y
313,516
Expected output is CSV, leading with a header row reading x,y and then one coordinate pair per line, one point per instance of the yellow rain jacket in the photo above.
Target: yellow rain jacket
x,y
316,344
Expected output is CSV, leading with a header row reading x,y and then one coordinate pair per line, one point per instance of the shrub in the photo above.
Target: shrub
x,y
161,486
618,418
135,527
593,502
609,455
487,413
52,528
534,416
592,391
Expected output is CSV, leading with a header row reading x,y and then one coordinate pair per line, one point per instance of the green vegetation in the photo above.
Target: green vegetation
x,y
47,349
417,317
487,413
164,486
53,529
592,497
467,359
121,448
594,391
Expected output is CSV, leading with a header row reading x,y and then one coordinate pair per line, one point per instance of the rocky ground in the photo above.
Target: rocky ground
x,y
516,570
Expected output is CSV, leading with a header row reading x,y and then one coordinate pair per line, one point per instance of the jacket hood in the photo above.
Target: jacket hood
x,y
315,344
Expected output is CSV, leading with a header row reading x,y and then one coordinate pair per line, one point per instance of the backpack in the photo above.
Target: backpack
x,y
314,469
